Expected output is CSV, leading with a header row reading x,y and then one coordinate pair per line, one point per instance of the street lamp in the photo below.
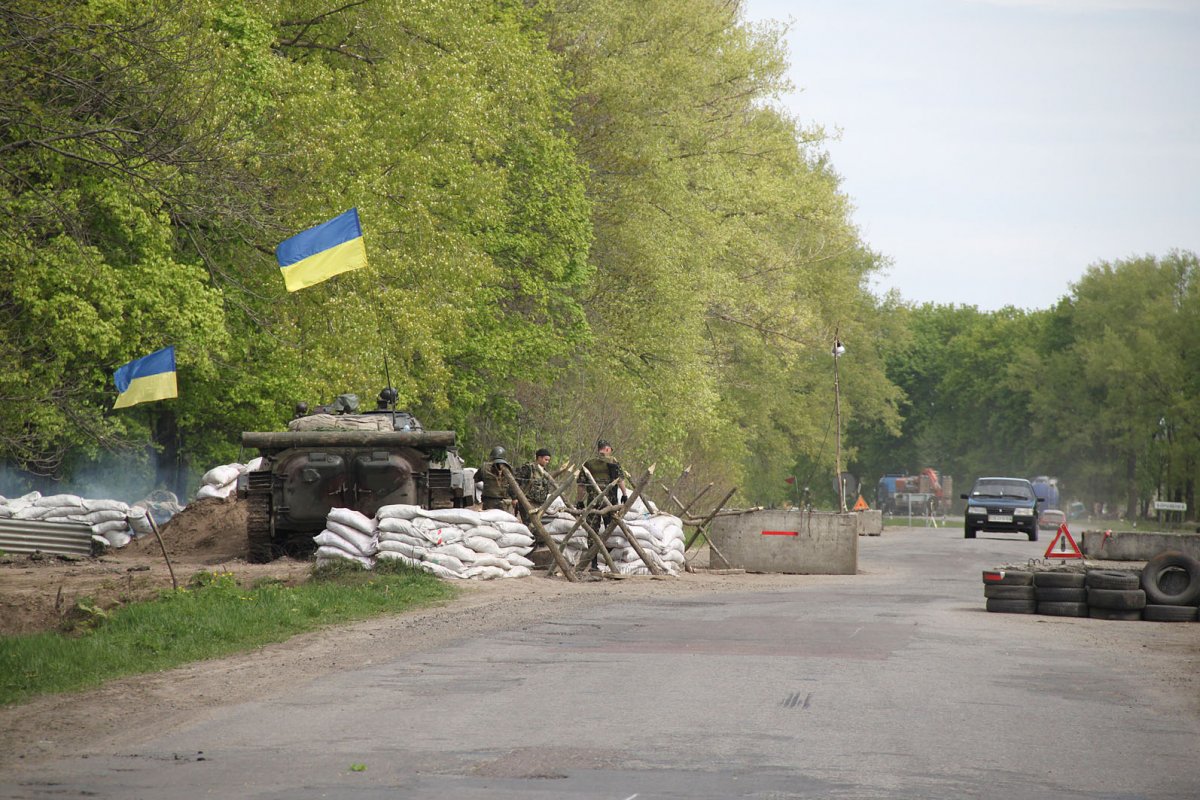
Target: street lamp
x,y
838,350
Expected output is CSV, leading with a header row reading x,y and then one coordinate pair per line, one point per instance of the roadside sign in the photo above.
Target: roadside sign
x,y
1063,545
861,505
1164,505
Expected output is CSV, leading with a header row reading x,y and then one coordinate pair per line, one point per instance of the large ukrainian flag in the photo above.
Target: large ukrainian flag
x,y
319,253
146,379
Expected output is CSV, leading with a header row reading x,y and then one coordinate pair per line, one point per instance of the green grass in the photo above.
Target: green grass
x,y
213,617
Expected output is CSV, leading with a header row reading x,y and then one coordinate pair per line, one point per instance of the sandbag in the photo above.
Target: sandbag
x,y
32,512
518,572
397,525
453,516
24,500
518,560
253,465
396,556
104,504
486,531
482,544
348,516
328,538
463,554
118,538
209,492
96,517
484,573
441,559
397,511
139,521
438,570
326,554
392,546
105,528
491,561
222,475
69,500
511,527
515,540
362,542
496,515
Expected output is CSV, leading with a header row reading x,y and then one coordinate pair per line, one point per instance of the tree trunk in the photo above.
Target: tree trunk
x,y
170,472
1131,502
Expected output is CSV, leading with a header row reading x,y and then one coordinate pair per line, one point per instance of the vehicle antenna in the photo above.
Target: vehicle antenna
x,y
388,377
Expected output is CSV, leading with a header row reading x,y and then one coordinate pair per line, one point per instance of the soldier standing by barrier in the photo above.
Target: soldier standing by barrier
x,y
605,470
535,481
496,492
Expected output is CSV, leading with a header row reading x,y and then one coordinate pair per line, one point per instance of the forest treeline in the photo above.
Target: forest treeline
x,y
583,218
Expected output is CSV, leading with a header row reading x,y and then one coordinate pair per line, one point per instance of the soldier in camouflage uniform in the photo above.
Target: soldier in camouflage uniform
x,y
496,491
534,480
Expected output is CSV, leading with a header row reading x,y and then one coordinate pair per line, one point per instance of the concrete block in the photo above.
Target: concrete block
x,y
870,523
1136,545
793,542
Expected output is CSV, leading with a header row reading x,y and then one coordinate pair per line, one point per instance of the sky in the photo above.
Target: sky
x,y
995,149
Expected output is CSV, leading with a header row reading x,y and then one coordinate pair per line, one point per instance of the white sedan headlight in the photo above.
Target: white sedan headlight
x,y
976,510
1022,512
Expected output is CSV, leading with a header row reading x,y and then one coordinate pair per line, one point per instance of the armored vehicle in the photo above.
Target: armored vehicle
x,y
340,458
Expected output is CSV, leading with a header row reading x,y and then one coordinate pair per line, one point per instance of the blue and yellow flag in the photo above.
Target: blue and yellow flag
x,y
146,379
319,253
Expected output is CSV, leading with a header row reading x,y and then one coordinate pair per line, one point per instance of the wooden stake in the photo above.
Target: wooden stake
x,y
536,522
163,547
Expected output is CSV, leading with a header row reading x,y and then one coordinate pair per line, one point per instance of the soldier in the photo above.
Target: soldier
x,y
496,491
534,480
605,469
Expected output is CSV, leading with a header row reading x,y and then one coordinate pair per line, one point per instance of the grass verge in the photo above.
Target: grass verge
x,y
212,617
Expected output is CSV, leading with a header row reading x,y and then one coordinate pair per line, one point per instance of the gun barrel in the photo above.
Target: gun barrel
x,y
282,440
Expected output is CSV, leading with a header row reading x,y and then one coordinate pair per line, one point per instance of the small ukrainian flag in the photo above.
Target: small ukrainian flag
x,y
319,253
149,378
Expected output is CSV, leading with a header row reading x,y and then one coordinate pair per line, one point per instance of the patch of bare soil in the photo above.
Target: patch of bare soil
x,y
39,593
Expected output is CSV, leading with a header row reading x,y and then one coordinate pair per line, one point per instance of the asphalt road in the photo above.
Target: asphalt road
x,y
893,683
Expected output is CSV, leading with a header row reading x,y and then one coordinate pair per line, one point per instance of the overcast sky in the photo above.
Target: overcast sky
x,y
994,149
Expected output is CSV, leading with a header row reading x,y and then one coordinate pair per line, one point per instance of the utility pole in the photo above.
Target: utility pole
x,y
838,350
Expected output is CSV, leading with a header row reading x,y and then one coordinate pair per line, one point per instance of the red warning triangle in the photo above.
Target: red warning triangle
x,y
1063,545
861,505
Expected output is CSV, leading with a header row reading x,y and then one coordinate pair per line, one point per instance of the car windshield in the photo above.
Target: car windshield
x,y
1020,491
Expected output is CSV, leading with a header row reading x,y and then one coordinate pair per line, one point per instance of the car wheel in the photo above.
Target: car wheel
x,y
1172,578
1033,535
968,533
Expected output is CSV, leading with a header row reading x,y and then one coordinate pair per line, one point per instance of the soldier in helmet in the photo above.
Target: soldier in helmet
x,y
496,491
535,481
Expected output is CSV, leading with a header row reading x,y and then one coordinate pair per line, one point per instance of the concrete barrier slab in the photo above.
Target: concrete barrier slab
x,y
793,542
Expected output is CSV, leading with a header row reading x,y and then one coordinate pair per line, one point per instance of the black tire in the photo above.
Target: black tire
x,y
1112,579
968,533
1170,613
1053,594
1009,592
1007,577
1058,580
1172,578
1012,606
1033,534
1063,609
1117,599
1112,613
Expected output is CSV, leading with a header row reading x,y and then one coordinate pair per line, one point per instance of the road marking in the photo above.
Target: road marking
x,y
856,630
631,797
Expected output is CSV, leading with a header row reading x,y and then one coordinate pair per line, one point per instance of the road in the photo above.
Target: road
x,y
893,683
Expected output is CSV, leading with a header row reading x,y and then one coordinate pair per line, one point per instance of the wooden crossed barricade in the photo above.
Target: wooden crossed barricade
x,y
600,507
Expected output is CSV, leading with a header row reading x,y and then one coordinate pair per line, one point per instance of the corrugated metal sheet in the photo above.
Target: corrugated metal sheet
x,y
25,536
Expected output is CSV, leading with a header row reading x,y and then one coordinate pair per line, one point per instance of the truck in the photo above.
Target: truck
x,y
341,458
927,492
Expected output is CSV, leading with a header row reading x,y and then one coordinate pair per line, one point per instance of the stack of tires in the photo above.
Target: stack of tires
x,y
1113,594
1010,591
1171,583
1061,593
